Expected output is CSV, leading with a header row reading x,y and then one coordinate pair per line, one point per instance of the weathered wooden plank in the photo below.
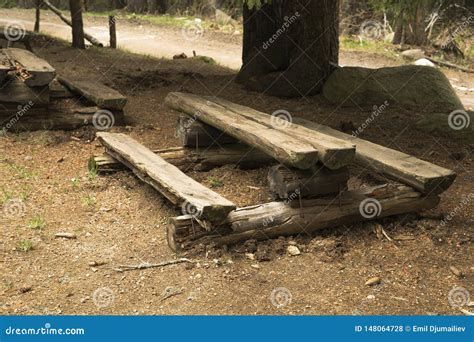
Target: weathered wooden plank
x,y
5,66
275,143
194,133
33,118
276,219
58,91
421,175
333,152
177,187
97,93
290,183
14,91
190,159
35,71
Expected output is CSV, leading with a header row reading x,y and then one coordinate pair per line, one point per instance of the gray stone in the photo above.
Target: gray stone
x,y
409,86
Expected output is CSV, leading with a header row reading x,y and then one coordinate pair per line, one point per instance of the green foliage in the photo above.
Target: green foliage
x,y
214,182
36,222
257,3
25,245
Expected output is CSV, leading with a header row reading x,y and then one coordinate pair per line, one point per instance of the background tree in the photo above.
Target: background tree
x,y
77,24
289,47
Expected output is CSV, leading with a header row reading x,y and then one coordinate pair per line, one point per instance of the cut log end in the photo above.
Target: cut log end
x,y
436,186
336,159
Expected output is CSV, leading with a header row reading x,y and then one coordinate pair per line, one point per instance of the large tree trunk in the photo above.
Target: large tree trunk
x,y
77,24
290,47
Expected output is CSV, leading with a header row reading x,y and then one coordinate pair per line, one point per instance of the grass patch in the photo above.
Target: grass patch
x,y
36,222
374,46
206,59
163,20
88,201
25,245
214,182
75,183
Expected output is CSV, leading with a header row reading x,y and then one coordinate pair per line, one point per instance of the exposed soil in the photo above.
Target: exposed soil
x,y
119,220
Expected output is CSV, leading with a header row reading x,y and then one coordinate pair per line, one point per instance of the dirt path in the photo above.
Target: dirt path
x,y
157,41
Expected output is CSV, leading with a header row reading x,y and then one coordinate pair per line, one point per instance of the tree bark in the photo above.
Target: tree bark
x,y
410,27
77,24
38,15
290,48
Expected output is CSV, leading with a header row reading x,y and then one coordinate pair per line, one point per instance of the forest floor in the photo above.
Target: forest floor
x,y
118,220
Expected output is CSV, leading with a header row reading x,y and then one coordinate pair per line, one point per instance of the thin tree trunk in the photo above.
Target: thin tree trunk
x,y
77,24
38,15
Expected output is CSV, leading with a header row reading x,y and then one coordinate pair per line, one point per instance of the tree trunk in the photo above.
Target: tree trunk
x,y
77,24
162,6
38,15
290,48
410,28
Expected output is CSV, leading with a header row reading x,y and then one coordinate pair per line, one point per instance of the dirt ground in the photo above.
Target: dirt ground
x,y
119,220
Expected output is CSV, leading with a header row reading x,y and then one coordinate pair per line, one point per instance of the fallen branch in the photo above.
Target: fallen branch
x,y
87,36
450,65
146,265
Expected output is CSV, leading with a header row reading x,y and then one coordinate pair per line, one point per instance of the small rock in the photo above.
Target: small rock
x,y
198,276
424,62
413,54
250,256
60,160
371,296
25,289
293,250
180,56
65,235
256,266
292,243
373,281
456,272
96,263
28,158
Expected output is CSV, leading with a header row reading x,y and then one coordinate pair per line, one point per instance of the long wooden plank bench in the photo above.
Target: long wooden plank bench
x,y
177,187
35,71
279,145
97,93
